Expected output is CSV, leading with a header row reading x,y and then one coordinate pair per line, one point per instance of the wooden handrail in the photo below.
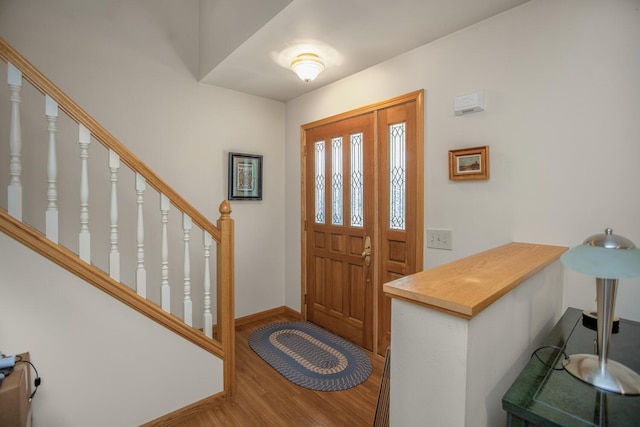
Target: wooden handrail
x,y
75,112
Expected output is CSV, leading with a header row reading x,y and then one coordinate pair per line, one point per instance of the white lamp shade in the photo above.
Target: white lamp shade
x,y
307,66
603,262
606,256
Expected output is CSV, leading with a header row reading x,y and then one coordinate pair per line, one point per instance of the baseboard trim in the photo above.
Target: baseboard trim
x,y
292,313
289,312
172,418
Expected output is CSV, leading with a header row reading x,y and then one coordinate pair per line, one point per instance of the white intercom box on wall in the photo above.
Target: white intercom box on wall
x,y
469,103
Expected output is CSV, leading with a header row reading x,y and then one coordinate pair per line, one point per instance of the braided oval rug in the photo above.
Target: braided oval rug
x,y
311,357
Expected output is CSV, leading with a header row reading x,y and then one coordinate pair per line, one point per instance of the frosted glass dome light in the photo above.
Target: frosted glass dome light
x,y
307,66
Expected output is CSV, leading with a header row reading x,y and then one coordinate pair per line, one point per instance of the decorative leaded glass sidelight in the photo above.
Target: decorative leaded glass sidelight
x,y
319,181
357,180
397,176
336,181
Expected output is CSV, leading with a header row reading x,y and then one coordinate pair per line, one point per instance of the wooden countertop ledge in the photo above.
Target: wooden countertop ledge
x,y
465,287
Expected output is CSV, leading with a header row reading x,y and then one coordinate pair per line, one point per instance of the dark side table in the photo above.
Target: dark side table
x,y
543,396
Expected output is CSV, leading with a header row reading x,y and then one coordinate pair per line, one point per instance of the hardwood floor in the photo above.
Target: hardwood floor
x,y
266,398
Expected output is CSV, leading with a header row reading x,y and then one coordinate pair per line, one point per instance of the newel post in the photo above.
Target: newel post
x,y
226,299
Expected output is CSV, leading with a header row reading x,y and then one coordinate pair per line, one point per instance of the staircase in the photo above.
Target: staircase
x,y
43,207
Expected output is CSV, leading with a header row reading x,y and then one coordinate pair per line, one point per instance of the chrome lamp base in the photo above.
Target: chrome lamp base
x,y
611,376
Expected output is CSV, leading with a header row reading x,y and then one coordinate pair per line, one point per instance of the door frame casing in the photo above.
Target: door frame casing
x,y
418,98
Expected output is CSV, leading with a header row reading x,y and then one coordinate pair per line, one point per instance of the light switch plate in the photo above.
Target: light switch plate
x,y
439,239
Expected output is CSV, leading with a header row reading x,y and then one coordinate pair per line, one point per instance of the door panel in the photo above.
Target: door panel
x,y
400,232
361,201
339,291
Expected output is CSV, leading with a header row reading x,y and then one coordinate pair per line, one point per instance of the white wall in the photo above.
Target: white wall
x,y
131,65
101,363
453,371
498,350
561,86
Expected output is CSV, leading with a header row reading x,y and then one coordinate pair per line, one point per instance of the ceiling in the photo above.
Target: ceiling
x,y
255,40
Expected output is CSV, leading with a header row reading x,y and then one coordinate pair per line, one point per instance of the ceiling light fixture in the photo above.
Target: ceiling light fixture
x,y
307,66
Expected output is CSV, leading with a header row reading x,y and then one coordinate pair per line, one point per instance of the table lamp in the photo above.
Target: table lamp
x,y
608,257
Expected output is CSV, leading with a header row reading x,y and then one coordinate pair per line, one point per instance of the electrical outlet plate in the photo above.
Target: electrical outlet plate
x,y
439,239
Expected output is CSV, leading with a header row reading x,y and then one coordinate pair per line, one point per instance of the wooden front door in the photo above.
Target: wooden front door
x,y
339,224
362,215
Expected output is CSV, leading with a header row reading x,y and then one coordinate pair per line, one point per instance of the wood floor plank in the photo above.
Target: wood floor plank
x,y
265,398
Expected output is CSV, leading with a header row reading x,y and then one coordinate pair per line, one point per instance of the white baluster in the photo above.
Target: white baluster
x,y
208,317
141,273
84,138
188,312
51,216
114,252
164,272
14,79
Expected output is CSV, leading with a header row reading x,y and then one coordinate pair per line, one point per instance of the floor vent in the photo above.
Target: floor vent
x,y
382,409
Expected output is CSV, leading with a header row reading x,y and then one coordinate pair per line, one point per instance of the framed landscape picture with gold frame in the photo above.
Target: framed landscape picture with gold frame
x,y
245,176
469,163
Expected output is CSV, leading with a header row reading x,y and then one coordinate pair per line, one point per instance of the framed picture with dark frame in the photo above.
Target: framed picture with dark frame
x,y
469,163
245,176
